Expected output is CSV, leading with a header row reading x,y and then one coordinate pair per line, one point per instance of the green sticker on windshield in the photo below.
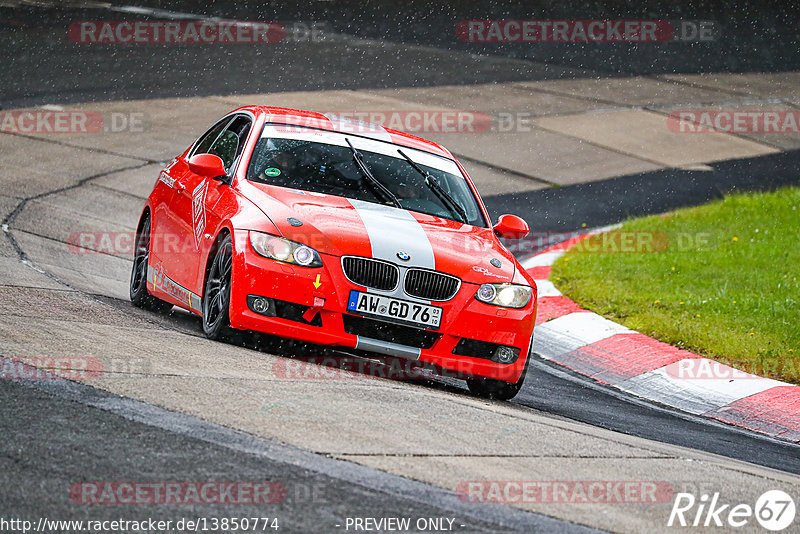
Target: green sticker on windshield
x,y
272,171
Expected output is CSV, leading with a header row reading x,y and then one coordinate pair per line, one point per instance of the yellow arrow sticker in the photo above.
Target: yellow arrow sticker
x,y
317,283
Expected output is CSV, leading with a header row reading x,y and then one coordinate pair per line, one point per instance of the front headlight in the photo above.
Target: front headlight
x,y
280,249
504,295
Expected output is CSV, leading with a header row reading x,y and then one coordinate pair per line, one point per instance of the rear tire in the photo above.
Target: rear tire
x,y
217,293
490,388
140,297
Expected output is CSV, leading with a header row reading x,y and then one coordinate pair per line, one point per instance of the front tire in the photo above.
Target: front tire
x,y
217,294
138,286
490,388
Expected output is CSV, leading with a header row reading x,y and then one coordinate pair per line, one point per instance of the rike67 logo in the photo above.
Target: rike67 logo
x,y
774,510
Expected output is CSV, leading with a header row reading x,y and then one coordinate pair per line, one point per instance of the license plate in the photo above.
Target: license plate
x,y
395,310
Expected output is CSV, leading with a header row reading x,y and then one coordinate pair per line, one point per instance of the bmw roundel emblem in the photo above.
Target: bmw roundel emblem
x,y
403,256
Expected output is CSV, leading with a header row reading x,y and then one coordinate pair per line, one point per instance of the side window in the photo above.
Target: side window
x,y
210,136
230,143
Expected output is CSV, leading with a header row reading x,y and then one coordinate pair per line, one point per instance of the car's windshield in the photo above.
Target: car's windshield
x,y
325,162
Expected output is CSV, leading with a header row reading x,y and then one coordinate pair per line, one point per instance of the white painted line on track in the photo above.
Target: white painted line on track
x,y
543,260
546,288
573,331
693,395
604,229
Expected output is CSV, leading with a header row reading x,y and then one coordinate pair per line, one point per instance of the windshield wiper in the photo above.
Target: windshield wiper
x,y
370,178
434,185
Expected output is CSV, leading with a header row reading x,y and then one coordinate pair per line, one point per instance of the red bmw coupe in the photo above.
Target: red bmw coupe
x,y
338,233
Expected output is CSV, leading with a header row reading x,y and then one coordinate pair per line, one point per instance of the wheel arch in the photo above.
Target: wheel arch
x,y
212,251
146,212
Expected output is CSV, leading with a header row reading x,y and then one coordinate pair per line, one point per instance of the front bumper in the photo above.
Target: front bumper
x,y
463,316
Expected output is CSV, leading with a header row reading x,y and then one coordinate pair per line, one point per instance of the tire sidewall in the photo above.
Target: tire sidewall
x,y
222,326
141,293
498,389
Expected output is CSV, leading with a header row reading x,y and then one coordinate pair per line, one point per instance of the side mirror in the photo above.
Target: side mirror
x,y
207,165
511,227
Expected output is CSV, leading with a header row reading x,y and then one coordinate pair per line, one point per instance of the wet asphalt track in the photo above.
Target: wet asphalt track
x,y
52,439
64,433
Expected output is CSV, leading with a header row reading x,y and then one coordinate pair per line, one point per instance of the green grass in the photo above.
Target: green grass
x,y
725,285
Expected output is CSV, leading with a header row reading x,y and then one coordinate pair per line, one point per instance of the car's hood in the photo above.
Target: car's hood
x,y
340,226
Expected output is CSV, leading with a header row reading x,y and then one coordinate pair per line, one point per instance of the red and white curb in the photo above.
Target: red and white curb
x,y
612,354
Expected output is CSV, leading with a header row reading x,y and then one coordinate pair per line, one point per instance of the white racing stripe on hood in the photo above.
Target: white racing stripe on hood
x,y
393,230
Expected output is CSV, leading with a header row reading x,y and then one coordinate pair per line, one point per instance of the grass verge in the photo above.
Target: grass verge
x,y
719,280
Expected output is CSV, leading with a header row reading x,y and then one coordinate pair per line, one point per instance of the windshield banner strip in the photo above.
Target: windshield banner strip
x,y
363,144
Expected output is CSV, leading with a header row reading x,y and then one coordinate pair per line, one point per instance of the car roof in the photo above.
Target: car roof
x,y
330,122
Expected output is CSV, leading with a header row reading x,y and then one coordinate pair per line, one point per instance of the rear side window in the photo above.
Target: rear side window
x,y
230,143
210,136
